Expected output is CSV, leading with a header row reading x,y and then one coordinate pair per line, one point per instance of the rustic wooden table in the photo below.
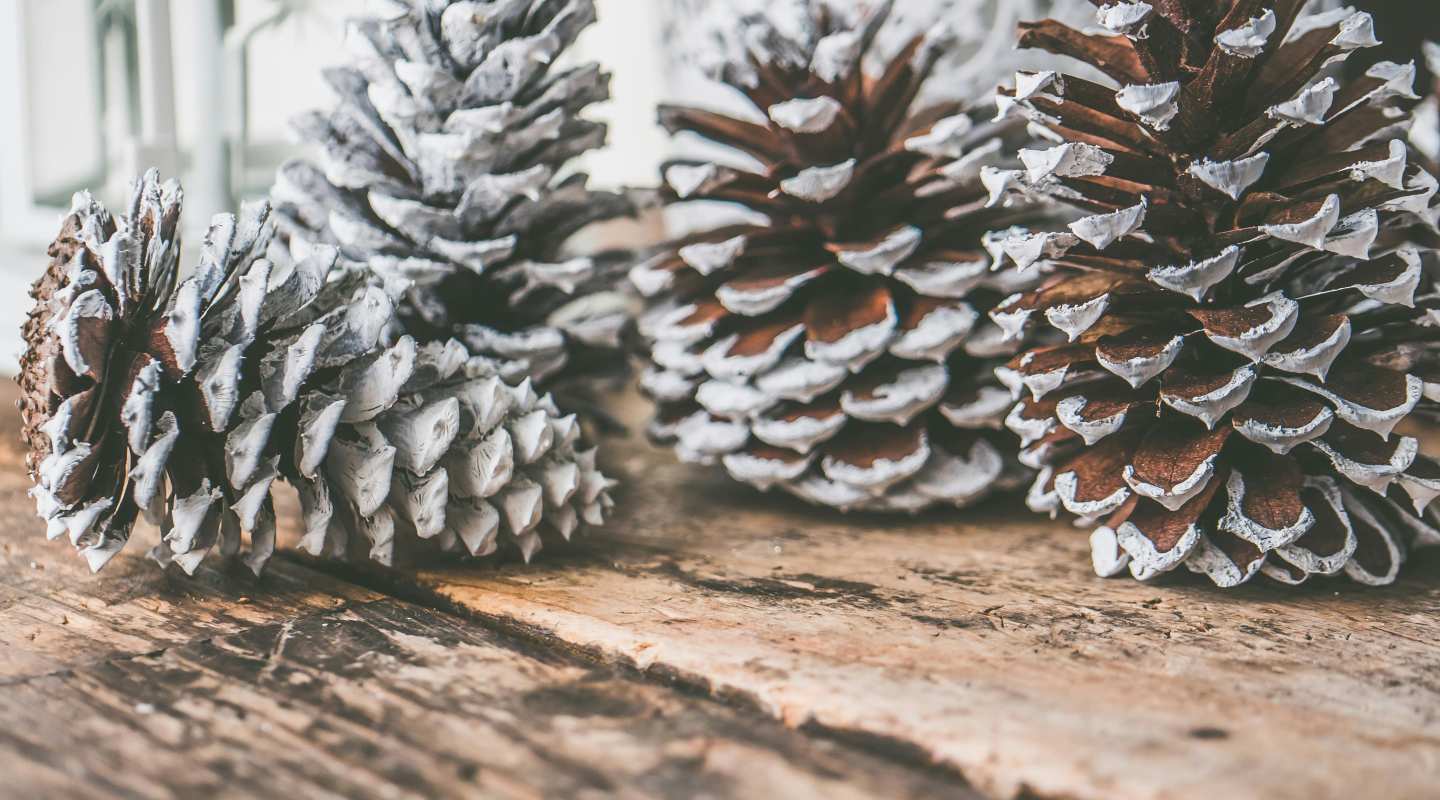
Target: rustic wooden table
x,y
712,642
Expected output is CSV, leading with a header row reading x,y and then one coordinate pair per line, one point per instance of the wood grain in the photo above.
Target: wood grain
x,y
143,683
984,643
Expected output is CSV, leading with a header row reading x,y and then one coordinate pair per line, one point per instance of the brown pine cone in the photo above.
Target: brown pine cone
x,y
837,346
1248,320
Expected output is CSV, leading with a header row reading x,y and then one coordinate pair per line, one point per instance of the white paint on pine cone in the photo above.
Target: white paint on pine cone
x,y
754,301
1308,561
375,386
720,362
1124,18
806,114
1102,230
1154,103
1422,491
1357,31
1146,561
666,386
219,383
819,184
1196,278
1376,477
706,435
766,472
1029,429
735,401
801,434
1248,40
710,257
687,179
1256,341
1310,106
801,379
149,471
1027,249
947,279
1211,407
1353,235
986,411
1069,412
937,334
1174,497
247,509
1389,171
1401,290
422,434
1236,521
952,479
1230,178
1394,555
899,400
481,468
881,473
881,258
1281,439
1074,320
245,447
858,346
1067,484
319,418
1315,360
1378,420
1212,562
945,139
1107,557
1069,160
361,467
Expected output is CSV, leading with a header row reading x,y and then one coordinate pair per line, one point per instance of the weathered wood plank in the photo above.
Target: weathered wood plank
x,y
387,699
55,615
985,643
139,683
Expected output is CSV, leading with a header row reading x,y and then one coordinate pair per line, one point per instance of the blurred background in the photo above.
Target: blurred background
x,y
94,91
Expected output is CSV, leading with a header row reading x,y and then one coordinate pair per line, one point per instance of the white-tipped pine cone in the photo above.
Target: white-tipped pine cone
x,y
1249,315
185,400
443,169
432,442
837,345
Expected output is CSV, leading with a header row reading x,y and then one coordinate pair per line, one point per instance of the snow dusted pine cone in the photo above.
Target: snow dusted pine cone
x,y
185,400
440,172
836,347
1247,324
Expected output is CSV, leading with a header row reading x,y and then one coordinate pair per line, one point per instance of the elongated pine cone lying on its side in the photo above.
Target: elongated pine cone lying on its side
x,y
185,400
837,347
1248,317
444,168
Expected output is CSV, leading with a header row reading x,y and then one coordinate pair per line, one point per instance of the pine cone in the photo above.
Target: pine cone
x,y
837,348
185,400
1247,321
441,171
